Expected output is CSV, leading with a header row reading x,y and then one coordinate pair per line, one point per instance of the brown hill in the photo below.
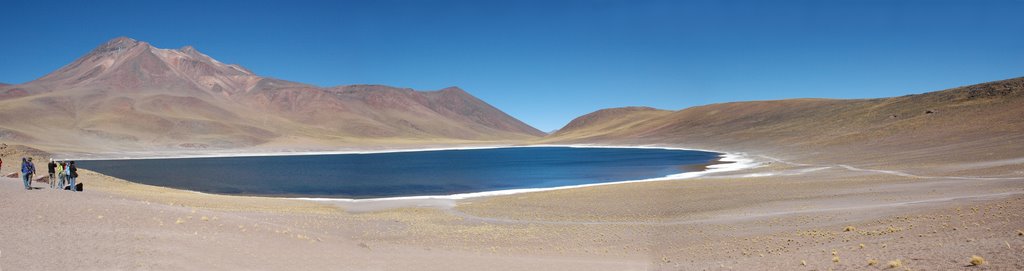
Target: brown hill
x,y
129,95
977,118
609,123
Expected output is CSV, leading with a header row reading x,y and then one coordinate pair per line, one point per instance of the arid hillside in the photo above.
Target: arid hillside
x,y
968,122
129,95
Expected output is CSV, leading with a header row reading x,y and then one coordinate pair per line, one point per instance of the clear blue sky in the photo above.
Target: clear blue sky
x,y
546,62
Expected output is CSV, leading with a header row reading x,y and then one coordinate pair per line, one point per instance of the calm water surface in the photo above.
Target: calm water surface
x,y
404,173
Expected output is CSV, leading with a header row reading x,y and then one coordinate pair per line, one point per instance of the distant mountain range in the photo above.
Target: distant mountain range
x,y
129,95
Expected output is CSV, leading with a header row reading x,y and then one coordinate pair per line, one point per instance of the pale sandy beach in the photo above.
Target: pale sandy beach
x,y
783,215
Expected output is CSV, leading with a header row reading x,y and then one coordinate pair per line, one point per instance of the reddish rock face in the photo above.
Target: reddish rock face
x,y
13,93
127,92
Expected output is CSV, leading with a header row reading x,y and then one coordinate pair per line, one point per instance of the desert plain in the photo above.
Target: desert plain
x,y
793,211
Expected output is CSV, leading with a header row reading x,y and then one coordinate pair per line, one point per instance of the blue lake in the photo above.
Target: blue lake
x,y
398,174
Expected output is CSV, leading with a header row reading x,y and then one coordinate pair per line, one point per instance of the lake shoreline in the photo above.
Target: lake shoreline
x,y
723,163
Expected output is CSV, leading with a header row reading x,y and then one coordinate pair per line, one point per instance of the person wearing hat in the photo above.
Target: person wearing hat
x,y
27,170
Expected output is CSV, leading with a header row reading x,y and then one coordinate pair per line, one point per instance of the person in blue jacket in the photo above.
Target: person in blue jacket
x,y
27,170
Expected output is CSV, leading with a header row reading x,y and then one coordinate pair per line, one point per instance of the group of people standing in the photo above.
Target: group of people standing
x,y
62,173
66,171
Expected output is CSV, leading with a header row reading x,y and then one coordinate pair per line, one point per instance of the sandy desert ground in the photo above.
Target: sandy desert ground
x,y
793,212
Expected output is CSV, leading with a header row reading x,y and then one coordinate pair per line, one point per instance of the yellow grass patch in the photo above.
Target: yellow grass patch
x,y
977,260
